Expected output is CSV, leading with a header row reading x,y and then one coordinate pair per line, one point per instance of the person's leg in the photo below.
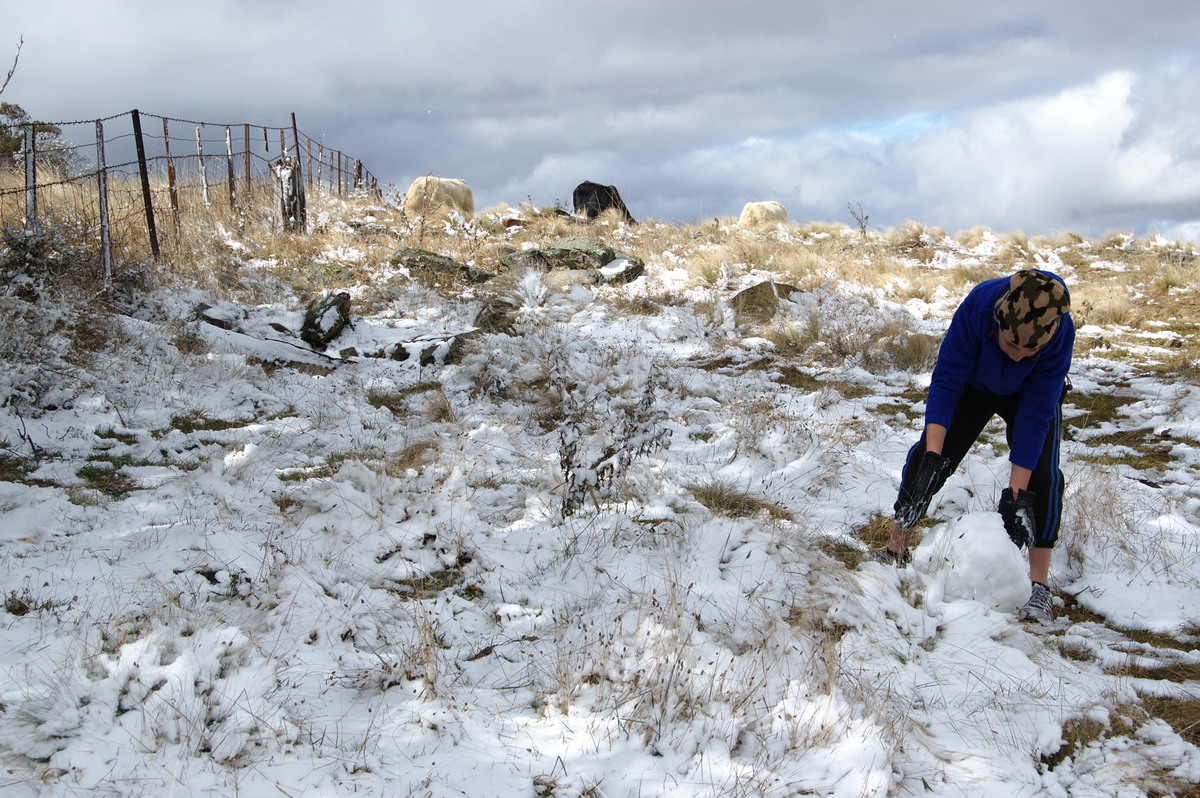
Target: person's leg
x,y
1047,482
1048,485
1039,565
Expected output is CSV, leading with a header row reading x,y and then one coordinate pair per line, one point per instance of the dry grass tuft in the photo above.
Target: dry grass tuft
x,y
426,398
915,241
791,339
1080,733
1105,307
1182,714
411,458
722,498
909,351
876,532
1177,672
1077,734
1183,365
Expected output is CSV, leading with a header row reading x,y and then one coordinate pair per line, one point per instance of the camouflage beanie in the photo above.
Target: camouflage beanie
x,y
1030,310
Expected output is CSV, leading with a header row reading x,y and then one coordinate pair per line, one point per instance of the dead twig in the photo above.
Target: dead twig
x,y
13,70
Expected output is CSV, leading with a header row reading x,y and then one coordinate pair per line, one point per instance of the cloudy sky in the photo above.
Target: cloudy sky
x,y
1079,115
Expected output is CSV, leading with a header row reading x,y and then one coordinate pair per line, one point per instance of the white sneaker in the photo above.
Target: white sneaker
x,y
1039,608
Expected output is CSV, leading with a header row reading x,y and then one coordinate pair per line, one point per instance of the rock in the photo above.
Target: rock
x,y
225,318
759,303
415,259
429,351
602,263
325,319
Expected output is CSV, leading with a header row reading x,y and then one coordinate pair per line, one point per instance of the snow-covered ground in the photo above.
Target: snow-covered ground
x,y
225,579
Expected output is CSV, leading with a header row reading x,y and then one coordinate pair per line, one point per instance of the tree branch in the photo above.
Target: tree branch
x,y
16,58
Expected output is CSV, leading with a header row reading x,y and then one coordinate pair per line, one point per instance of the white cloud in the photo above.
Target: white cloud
x,y
1027,162
1077,159
1018,114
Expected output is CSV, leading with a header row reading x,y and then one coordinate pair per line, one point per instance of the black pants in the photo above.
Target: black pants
x,y
974,410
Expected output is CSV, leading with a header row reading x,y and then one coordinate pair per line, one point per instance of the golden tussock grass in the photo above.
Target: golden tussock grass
x,y
1105,306
722,498
217,243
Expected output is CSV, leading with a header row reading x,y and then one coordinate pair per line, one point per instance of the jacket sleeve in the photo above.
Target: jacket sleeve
x,y
1040,396
956,358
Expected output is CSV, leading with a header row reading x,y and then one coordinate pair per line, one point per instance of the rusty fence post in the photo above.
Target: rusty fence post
x,y
308,160
172,188
246,144
229,168
295,138
102,191
144,173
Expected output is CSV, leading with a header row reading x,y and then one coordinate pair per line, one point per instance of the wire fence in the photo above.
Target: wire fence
x,y
140,175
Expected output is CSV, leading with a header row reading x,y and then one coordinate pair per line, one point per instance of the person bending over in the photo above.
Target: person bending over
x,y
1007,352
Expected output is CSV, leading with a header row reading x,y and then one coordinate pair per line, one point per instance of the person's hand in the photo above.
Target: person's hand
x,y
1018,516
912,506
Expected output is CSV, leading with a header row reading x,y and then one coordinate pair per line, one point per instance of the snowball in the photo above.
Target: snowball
x,y
972,558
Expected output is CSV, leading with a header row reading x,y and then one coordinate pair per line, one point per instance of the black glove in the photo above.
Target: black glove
x,y
912,504
1018,516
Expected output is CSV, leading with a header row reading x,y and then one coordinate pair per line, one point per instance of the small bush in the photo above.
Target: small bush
x,y
35,262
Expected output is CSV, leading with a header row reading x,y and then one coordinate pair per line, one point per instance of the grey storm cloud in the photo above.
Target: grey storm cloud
x,y
1040,116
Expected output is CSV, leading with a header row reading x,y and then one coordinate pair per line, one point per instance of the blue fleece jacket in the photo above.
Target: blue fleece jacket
x,y
970,353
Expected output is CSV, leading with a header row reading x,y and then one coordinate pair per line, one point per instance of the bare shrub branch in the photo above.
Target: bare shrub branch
x,y
16,59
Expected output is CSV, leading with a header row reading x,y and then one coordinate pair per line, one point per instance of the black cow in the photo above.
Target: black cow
x,y
592,199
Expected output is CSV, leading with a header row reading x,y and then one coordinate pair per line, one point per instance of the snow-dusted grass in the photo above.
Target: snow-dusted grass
x,y
614,550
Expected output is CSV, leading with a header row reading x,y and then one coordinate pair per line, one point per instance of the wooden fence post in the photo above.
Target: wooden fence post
x,y
246,136
31,214
289,194
229,168
172,188
203,171
295,137
102,190
308,164
144,173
